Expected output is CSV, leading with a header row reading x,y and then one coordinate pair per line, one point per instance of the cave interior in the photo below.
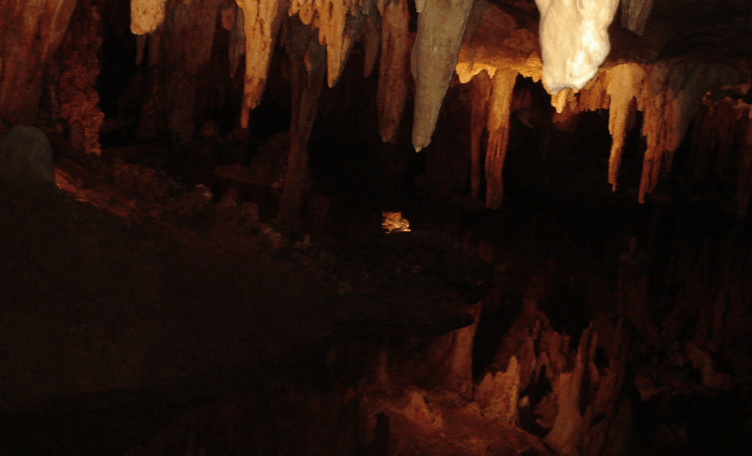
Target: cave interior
x,y
375,227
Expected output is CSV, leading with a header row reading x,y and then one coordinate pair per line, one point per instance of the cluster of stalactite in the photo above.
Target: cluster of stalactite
x,y
177,50
669,94
460,36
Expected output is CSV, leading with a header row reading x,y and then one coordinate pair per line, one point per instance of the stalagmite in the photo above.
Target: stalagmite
x,y
635,14
307,62
30,33
498,135
624,85
573,40
450,356
498,393
396,43
147,15
261,19
568,388
441,25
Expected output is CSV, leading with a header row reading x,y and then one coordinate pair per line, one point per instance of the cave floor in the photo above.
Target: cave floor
x,y
117,316
136,310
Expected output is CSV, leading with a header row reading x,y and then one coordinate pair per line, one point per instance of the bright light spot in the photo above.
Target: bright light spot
x,y
393,222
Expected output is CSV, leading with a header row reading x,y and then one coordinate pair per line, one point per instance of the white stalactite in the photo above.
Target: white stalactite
x,y
574,40
147,15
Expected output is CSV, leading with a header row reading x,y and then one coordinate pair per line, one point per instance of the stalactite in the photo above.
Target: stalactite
x,y
236,45
77,89
669,93
147,15
498,135
371,43
635,14
307,59
339,23
574,40
671,98
148,120
186,46
495,39
441,25
30,33
624,86
261,21
480,87
396,42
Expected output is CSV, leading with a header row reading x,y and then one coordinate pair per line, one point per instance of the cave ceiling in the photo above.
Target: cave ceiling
x,y
667,60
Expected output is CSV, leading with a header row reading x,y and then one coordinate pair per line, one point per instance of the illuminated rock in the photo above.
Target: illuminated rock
x,y
574,40
261,20
147,15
